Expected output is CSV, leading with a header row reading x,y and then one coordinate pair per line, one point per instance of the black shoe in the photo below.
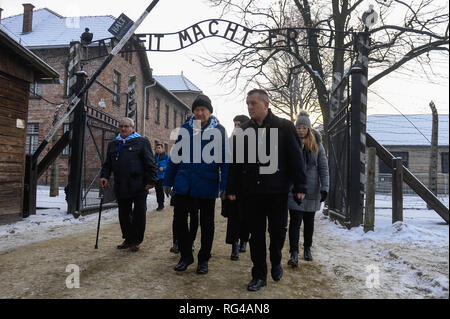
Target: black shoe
x,y
307,254
235,251
134,248
256,284
184,264
202,268
175,248
124,245
293,261
243,247
277,273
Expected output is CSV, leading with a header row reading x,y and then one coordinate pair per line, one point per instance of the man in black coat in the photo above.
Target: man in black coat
x,y
130,158
263,186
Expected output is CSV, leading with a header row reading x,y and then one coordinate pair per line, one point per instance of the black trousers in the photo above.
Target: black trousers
x,y
159,192
237,228
260,211
296,218
132,218
193,225
183,205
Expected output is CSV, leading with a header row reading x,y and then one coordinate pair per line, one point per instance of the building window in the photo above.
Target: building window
x,y
116,97
32,138
166,148
35,90
444,161
167,115
66,128
157,110
384,169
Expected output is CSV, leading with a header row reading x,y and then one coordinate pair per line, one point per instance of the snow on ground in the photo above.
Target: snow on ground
x,y
411,257
55,222
420,226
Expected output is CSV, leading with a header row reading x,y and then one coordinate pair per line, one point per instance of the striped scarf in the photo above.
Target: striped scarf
x,y
213,122
123,141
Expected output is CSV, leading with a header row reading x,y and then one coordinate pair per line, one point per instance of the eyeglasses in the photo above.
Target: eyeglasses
x,y
124,126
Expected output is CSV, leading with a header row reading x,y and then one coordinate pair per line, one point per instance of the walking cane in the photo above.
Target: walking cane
x,y
99,219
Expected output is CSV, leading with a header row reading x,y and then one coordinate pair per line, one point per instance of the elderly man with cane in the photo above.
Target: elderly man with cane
x,y
130,158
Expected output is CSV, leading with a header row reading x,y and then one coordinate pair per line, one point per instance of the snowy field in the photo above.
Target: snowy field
x,y
55,222
409,258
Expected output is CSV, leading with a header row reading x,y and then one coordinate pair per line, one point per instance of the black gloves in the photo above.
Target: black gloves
x,y
323,196
296,199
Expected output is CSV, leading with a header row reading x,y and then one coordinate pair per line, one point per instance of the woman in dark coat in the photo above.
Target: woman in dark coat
x,y
196,180
237,229
317,189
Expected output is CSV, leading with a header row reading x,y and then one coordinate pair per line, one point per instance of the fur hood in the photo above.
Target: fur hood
x,y
317,135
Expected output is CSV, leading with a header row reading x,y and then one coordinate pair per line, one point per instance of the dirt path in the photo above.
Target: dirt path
x,y
38,270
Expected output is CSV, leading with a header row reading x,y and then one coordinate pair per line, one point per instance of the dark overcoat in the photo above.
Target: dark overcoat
x,y
245,179
133,168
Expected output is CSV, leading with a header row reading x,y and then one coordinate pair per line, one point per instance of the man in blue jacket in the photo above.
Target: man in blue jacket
x,y
161,162
197,180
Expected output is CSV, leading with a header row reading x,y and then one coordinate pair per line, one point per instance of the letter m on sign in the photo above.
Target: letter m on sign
x,y
132,104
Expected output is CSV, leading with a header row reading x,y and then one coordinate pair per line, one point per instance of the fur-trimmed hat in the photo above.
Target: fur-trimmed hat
x,y
241,119
303,119
202,100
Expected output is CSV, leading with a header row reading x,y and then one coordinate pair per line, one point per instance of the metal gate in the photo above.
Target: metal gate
x,y
100,130
347,140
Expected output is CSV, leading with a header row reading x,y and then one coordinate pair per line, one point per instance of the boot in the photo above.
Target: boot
x,y
293,261
307,254
175,248
235,251
243,247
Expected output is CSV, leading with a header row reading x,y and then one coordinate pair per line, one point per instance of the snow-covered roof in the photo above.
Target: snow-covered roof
x,y
177,83
396,130
42,69
53,30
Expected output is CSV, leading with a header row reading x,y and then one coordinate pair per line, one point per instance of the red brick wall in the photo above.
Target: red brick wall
x,y
158,131
42,112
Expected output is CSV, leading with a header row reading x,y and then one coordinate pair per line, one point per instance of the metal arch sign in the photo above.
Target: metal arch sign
x,y
284,39
238,34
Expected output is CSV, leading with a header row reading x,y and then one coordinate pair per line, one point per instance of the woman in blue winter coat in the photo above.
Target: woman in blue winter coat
x,y
197,177
317,183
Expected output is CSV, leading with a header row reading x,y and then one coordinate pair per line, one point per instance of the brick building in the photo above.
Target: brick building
x,y
48,35
170,105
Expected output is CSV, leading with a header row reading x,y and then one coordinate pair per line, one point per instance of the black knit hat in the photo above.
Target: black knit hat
x,y
202,100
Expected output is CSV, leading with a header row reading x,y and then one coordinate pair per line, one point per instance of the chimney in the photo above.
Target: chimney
x,y
27,17
1,15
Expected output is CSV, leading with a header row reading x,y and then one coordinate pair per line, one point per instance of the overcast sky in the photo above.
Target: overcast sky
x,y
409,94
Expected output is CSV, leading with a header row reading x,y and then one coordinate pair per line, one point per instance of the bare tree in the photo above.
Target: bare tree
x,y
405,32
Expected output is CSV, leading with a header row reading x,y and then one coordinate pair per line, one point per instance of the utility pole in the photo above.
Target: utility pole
x,y
432,176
